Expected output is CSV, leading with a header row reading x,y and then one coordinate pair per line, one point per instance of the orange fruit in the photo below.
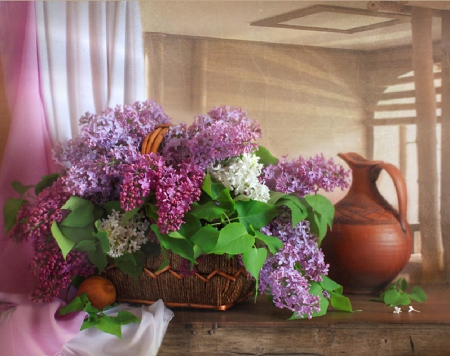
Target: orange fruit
x,y
100,291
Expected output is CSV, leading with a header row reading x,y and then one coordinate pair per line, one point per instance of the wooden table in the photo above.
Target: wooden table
x,y
261,329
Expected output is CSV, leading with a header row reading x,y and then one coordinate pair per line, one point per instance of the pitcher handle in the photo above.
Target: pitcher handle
x,y
400,187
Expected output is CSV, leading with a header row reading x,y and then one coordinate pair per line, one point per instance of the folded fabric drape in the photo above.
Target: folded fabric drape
x,y
90,57
61,59
27,154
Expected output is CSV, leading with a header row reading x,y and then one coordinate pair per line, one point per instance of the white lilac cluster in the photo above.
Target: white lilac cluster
x,y
126,237
241,175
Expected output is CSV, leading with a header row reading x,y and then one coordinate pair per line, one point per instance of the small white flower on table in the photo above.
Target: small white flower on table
x,y
411,309
397,310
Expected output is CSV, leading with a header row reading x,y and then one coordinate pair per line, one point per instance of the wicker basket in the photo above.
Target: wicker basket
x,y
219,283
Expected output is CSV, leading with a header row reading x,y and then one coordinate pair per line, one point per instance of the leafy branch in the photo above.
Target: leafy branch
x,y
397,294
97,318
329,292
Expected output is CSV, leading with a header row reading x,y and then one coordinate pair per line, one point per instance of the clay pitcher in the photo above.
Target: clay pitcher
x,y
370,241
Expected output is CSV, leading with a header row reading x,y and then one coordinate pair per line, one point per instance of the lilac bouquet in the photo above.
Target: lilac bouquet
x,y
209,189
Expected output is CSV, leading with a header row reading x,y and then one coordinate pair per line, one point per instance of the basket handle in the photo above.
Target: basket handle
x,y
153,140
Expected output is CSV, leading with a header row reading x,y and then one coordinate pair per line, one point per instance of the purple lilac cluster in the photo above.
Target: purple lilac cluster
x,y
94,161
306,176
53,271
225,132
286,274
176,191
139,179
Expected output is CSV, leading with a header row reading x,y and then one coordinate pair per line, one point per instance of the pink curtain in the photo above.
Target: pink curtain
x,y
28,150
26,328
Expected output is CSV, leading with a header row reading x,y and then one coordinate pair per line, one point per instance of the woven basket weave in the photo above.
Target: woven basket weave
x,y
219,282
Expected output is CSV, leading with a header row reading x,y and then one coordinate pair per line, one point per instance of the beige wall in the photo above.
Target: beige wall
x,y
307,100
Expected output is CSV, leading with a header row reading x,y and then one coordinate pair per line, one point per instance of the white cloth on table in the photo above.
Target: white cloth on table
x,y
138,339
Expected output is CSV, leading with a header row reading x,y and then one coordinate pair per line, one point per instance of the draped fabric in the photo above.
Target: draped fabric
x,y
90,58
61,59
27,154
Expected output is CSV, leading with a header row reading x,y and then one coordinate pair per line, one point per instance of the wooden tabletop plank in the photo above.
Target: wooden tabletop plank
x,y
261,329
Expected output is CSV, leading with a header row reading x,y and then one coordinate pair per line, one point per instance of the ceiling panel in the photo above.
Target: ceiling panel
x,y
232,20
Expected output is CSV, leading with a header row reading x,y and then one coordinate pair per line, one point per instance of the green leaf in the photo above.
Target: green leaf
x,y
275,196
208,211
151,211
64,243
98,258
418,294
272,242
191,225
402,284
321,205
102,237
234,239
265,157
198,251
226,201
403,299
255,213
253,261
180,246
90,309
340,302
315,288
131,263
317,225
130,214
109,325
10,211
80,217
125,317
329,285
75,305
112,205
211,188
298,213
86,246
46,181
75,202
20,188
206,238
76,281
89,322
77,234
391,296
323,305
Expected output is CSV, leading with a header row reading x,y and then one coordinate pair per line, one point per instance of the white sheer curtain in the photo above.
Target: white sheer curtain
x,y
90,58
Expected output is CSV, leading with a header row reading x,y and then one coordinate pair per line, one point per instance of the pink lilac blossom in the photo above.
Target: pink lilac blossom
x,y
286,274
139,179
306,176
225,132
53,271
175,192
94,162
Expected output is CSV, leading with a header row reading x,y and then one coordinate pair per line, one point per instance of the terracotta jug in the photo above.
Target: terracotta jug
x,y
370,241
